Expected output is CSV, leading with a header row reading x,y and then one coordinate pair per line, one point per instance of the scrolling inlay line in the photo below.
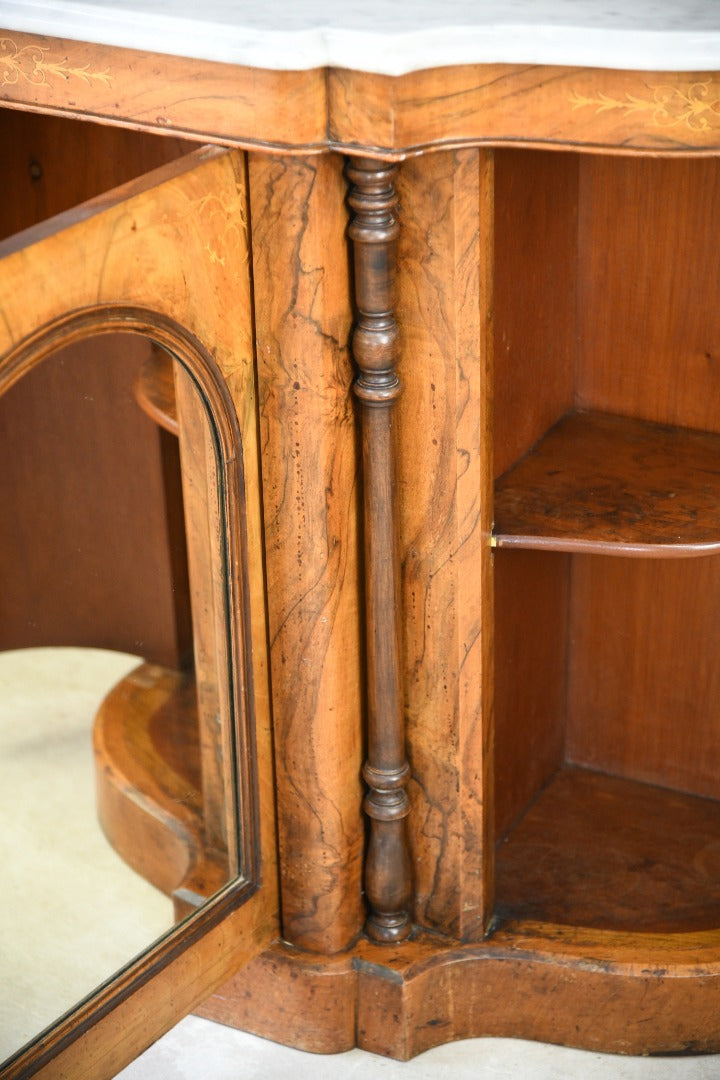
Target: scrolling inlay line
x,y
31,64
697,106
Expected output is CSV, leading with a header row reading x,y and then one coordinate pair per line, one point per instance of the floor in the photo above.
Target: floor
x,y
48,699
197,1049
60,877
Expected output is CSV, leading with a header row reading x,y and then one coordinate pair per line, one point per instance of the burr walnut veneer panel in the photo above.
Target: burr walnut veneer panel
x,y
444,502
310,499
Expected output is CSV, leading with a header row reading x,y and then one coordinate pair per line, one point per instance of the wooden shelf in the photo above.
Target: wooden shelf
x,y
147,771
613,854
611,485
155,390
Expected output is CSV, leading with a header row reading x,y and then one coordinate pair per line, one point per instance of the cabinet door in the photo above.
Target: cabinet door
x,y
167,257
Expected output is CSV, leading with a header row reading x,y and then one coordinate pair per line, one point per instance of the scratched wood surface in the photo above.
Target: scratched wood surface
x,y
168,255
292,996
310,498
637,984
400,1001
302,319
444,309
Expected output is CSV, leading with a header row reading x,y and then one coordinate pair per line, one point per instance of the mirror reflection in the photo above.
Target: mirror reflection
x,y
62,879
117,815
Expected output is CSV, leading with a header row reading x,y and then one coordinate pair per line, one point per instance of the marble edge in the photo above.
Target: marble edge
x,y
380,53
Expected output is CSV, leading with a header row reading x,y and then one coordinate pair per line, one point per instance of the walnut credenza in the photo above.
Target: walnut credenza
x,y
462,323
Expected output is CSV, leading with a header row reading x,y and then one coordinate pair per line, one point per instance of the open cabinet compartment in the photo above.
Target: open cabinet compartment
x,y
606,683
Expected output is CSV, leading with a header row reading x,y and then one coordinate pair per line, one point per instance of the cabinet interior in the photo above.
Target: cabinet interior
x,y
606,684
99,519
122,547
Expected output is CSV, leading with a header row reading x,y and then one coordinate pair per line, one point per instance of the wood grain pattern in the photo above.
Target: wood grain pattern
x,y
166,94
551,982
149,997
140,259
637,984
611,485
491,104
444,504
309,464
586,317
535,344
57,163
293,997
531,105
409,1000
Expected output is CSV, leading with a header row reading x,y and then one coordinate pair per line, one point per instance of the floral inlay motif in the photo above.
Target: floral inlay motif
x,y
32,65
222,220
697,105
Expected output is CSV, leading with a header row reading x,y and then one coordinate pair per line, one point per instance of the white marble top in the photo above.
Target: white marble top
x,y
392,36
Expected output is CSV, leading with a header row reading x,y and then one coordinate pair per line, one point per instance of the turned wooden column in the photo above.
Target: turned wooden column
x,y
373,231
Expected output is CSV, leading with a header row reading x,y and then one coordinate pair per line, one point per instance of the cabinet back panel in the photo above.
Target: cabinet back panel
x,y
535,275
531,603
649,277
644,681
535,244
52,164
535,247
642,678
